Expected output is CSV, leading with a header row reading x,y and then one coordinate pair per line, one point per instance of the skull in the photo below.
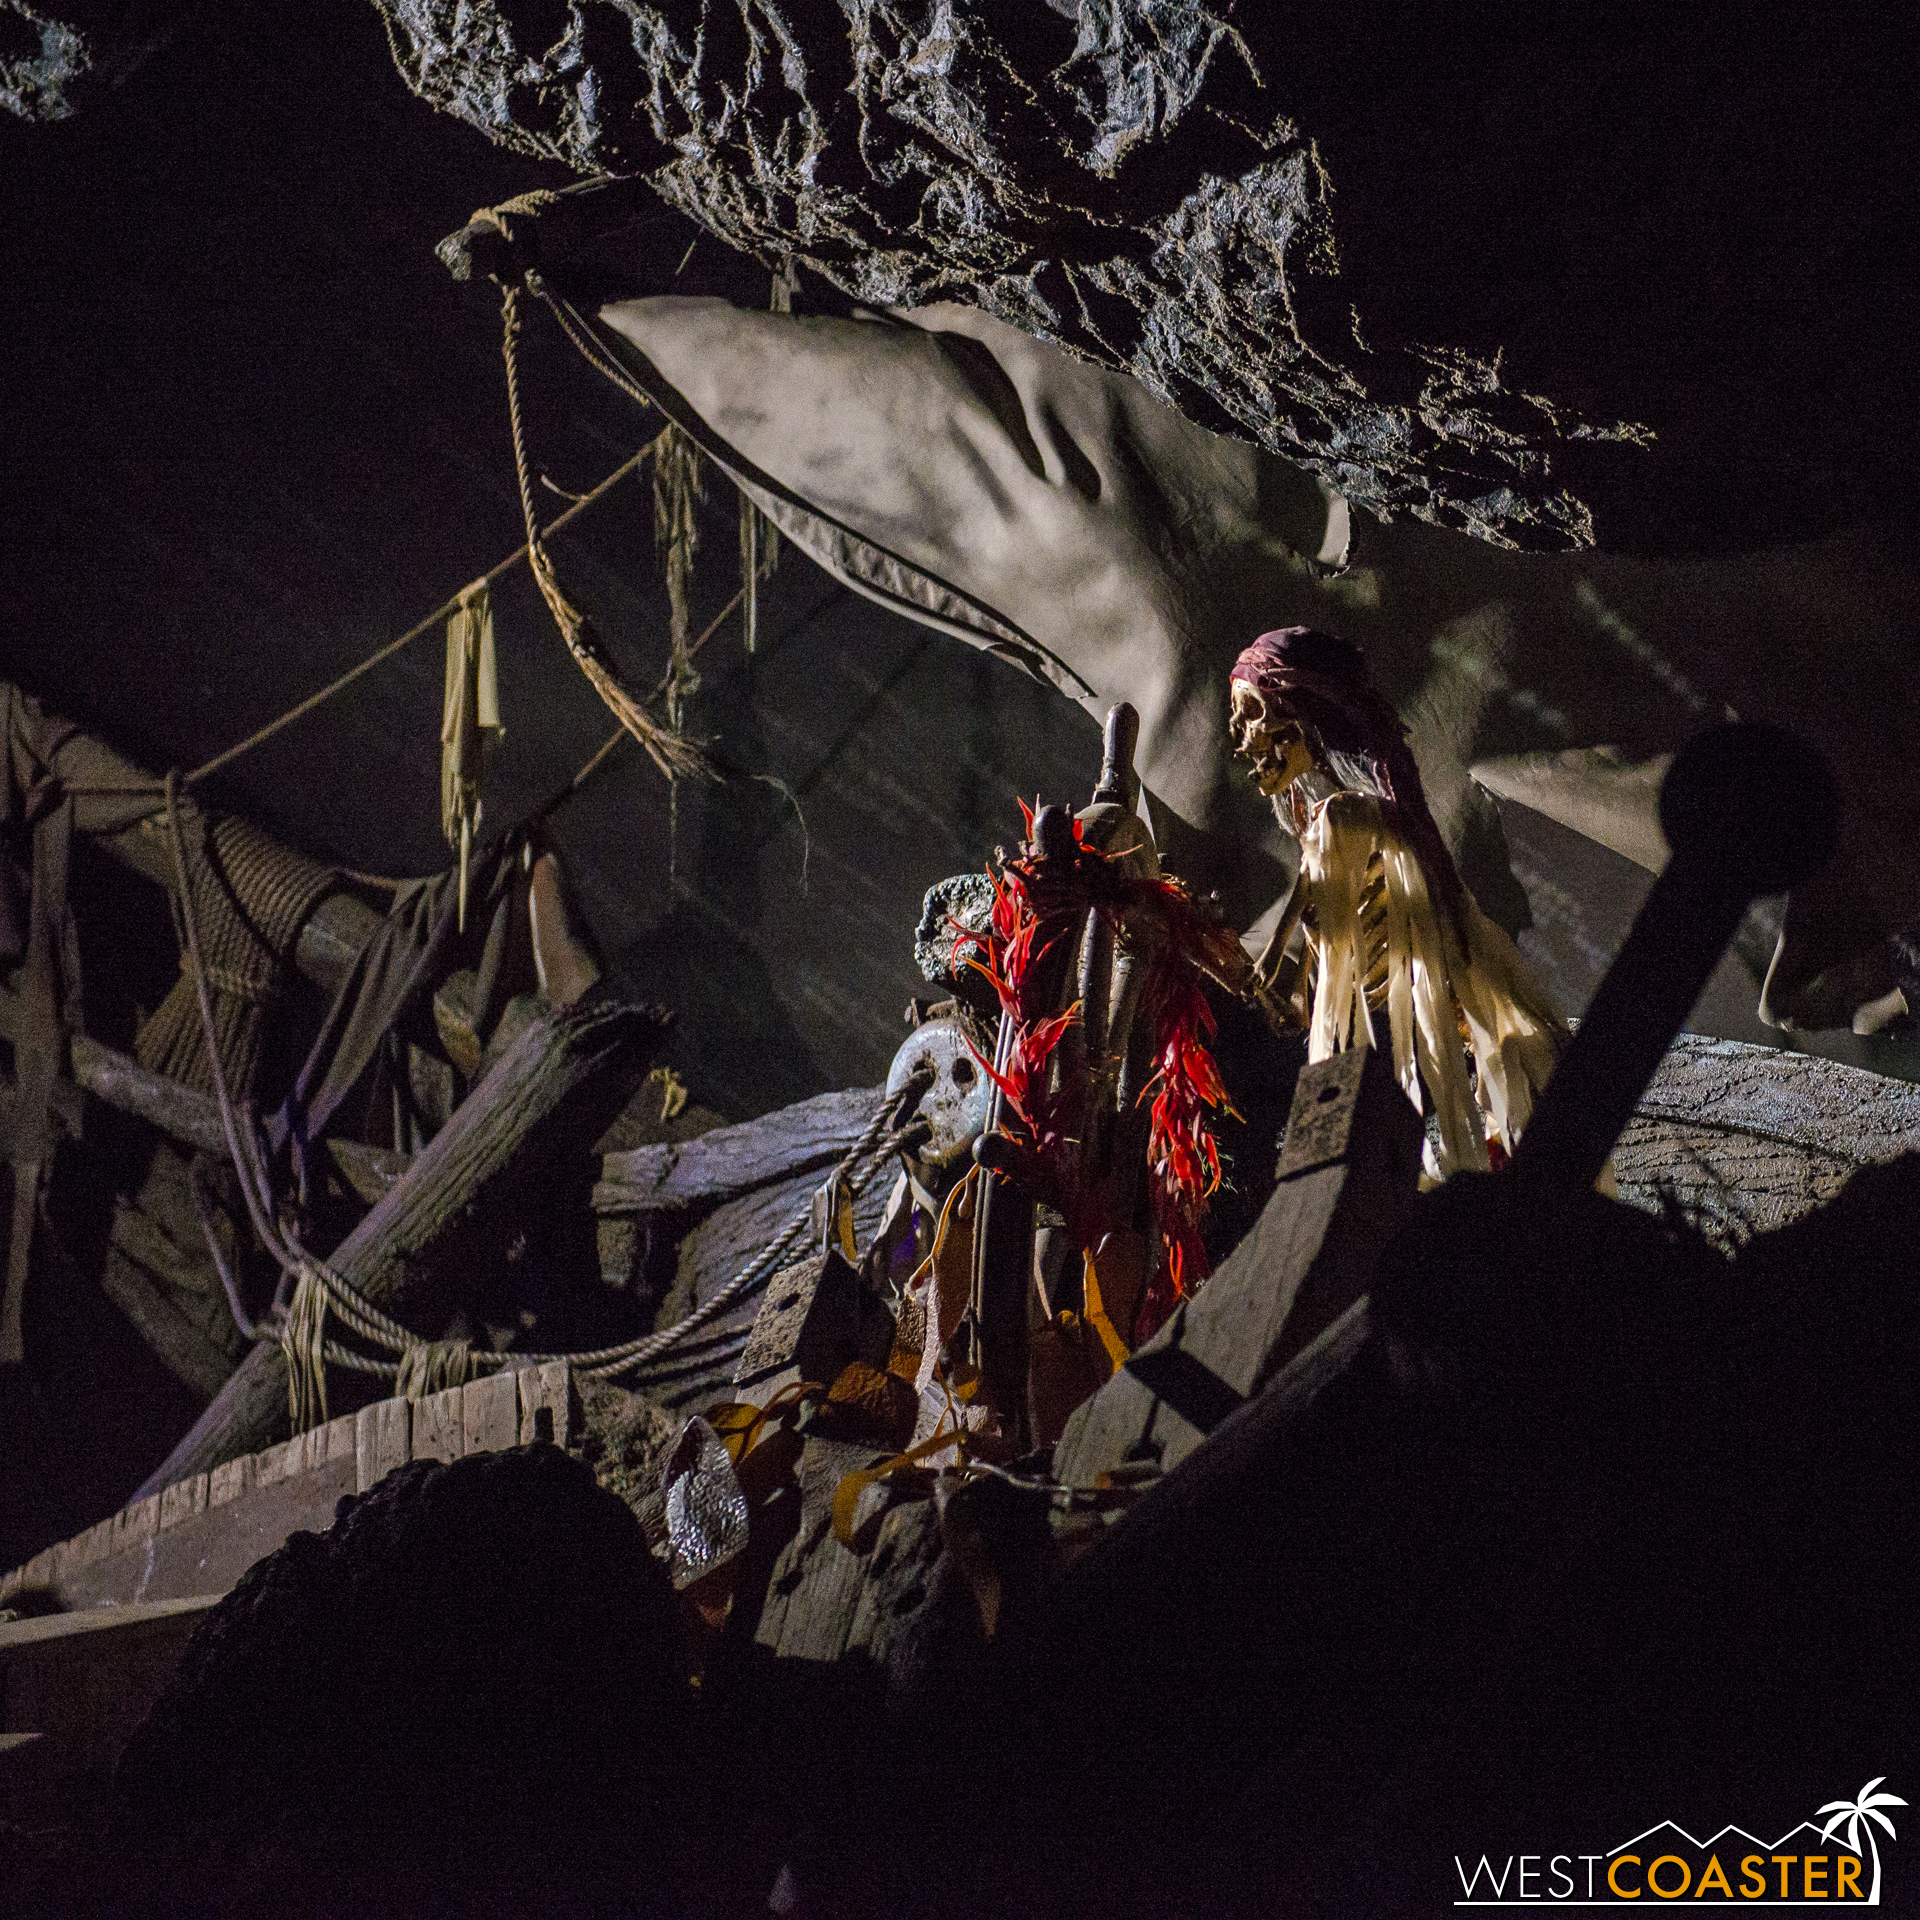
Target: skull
x,y
1272,742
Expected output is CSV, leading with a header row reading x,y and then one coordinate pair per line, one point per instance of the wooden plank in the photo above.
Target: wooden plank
x,y
183,1500
440,1425
179,1112
550,1096
807,1328
734,1234
231,1480
490,1413
279,1462
815,1588
181,1347
86,1680
1350,1169
730,1161
383,1440
208,1549
369,1171
342,1439
546,1403
134,1525
85,1549
896,1584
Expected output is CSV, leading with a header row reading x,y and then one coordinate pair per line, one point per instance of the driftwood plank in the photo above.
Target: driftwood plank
x,y
189,1117
898,1589
730,1161
815,1589
504,1150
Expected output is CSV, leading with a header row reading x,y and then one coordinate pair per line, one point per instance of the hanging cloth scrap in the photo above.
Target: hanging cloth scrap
x,y
678,487
469,724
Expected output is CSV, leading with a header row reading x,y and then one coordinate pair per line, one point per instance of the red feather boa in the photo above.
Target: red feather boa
x,y
1158,920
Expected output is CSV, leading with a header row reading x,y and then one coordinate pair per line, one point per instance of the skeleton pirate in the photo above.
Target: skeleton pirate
x,y
1387,926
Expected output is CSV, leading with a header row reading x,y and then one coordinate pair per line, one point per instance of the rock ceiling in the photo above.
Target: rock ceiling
x,y
1606,274
1361,241
1364,245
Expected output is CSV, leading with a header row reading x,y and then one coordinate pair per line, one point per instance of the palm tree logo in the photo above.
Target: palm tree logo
x,y
1863,1811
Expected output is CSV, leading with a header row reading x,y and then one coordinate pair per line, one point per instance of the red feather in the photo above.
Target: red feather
x,y
1181,944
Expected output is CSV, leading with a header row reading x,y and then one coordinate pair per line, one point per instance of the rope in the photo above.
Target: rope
x,y
584,341
604,1362
670,751
251,897
432,1367
561,795
636,1353
433,620
302,1333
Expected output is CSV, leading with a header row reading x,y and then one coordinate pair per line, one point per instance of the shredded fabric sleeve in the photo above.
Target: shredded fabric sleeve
x,y
1435,960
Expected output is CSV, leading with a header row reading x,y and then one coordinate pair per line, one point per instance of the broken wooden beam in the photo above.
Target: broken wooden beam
x,y
179,1112
547,1101
181,1347
728,1162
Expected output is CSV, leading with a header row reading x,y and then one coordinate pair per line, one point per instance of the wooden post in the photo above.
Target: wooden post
x,y
546,1102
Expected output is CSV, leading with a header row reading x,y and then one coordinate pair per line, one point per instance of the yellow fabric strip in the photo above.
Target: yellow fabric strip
x,y
1097,1318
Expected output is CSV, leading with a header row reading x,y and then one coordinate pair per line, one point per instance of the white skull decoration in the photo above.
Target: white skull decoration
x,y
1269,738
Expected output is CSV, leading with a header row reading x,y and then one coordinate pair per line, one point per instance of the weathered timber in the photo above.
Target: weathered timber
x,y
369,1171
548,1099
118,807
735,1233
814,1593
731,1161
158,1270
808,1327
203,1533
189,1117
179,1112
183,1348
1348,1172
86,1680
902,1591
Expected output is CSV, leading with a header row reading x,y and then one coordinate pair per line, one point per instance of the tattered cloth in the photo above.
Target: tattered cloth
x,y
1451,974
